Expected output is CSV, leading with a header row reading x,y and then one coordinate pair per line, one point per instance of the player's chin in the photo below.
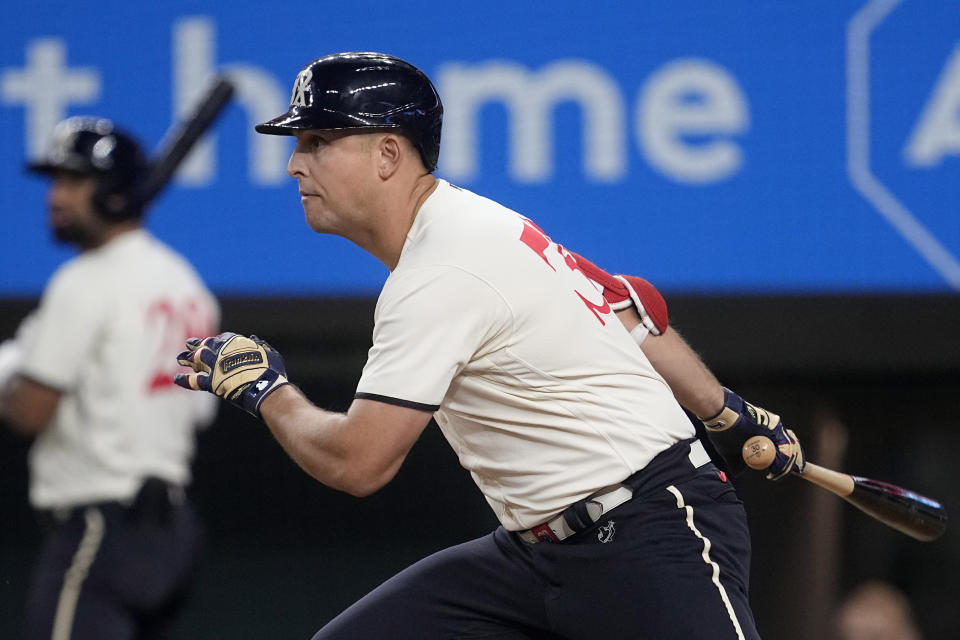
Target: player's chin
x,y
317,219
72,233
310,205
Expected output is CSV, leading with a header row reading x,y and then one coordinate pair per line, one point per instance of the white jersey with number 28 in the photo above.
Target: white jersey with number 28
x,y
107,332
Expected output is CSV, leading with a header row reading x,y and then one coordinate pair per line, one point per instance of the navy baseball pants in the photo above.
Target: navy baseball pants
x,y
110,571
672,563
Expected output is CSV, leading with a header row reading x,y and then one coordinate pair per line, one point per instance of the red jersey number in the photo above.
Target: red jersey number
x,y
173,322
540,244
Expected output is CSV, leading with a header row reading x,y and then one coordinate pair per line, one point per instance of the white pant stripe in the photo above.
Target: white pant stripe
x,y
706,558
77,573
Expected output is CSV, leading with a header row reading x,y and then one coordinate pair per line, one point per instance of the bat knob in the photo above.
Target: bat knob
x,y
759,452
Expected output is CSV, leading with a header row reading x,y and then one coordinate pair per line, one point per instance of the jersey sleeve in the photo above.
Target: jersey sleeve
x,y
65,330
431,322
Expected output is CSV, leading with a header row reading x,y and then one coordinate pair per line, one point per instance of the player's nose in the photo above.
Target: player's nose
x,y
295,165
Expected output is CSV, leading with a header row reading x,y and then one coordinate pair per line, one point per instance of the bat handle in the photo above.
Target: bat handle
x,y
839,483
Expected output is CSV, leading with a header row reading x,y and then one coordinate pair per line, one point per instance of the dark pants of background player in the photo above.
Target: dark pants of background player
x,y
113,571
677,567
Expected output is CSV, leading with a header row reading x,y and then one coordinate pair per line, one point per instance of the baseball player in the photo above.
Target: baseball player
x,y
89,376
615,523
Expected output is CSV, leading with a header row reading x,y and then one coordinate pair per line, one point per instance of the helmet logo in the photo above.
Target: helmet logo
x,y
300,89
100,155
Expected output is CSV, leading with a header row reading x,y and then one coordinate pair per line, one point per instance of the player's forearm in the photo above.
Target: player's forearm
x,y
325,444
692,383
309,435
357,452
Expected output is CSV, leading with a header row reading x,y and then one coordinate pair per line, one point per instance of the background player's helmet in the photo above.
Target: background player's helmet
x,y
94,146
364,90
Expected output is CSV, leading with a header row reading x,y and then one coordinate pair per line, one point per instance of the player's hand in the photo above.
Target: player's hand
x,y
739,421
243,371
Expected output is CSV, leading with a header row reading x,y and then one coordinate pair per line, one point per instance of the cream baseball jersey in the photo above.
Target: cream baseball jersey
x,y
106,334
534,382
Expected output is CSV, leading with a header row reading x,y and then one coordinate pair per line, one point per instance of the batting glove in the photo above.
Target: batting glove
x,y
243,371
739,421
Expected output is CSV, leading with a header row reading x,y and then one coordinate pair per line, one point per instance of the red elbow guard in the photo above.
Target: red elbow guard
x,y
625,291
648,301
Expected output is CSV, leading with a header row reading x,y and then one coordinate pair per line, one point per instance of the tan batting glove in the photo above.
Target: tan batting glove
x,y
243,371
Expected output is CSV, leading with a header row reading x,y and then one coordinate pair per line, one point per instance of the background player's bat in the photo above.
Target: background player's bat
x,y
915,515
181,138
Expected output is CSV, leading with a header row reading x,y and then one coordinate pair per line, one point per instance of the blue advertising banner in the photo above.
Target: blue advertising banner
x,y
710,147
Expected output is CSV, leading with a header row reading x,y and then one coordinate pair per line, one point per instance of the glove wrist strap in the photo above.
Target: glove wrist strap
x,y
722,421
725,438
729,414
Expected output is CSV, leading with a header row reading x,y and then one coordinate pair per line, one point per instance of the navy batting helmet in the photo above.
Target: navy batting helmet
x,y
89,145
364,90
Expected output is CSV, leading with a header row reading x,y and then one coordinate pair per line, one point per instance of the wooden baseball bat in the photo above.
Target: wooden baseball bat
x,y
180,139
917,516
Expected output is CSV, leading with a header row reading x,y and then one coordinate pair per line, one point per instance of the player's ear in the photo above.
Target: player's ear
x,y
390,153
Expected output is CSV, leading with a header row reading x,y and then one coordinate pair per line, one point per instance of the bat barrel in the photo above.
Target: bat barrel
x,y
182,139
917,516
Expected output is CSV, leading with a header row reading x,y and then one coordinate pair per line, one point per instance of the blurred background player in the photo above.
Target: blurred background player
x,y
88,376
875,610
615,523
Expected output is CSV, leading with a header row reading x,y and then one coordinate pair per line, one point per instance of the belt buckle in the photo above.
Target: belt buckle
x,y
543,533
